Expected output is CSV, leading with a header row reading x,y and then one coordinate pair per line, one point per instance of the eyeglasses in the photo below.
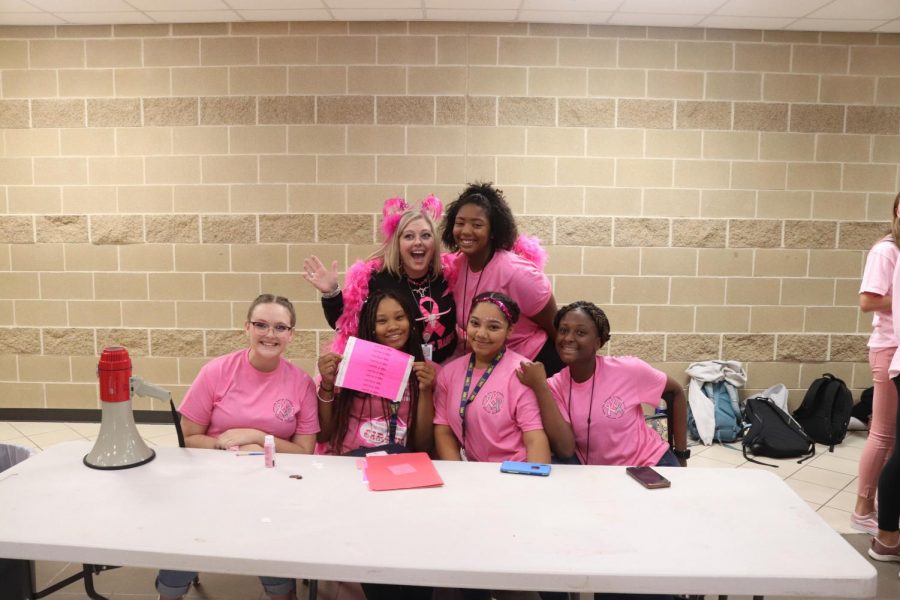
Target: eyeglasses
x,y
263,327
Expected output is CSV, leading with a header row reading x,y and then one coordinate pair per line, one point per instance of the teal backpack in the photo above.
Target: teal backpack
x,y
727,412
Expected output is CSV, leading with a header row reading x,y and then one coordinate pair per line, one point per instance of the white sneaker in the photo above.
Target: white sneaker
x,y
865,523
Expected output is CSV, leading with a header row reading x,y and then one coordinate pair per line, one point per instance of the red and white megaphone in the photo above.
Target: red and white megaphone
x,y
119,445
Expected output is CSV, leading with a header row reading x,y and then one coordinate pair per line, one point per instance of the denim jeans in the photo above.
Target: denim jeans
x,y
174,584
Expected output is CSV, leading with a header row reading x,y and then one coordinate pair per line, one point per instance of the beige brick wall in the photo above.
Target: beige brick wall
x,y
715,191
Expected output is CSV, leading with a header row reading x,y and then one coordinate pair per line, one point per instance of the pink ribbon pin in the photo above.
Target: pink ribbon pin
x,y
431,317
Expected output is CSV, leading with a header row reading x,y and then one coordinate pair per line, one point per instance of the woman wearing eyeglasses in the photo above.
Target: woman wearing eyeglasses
x,y
238,399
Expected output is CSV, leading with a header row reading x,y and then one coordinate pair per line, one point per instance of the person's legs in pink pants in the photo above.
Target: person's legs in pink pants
x,y
880,442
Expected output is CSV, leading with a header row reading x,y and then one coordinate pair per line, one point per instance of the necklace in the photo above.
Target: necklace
x,y
419,287
587,453
465,297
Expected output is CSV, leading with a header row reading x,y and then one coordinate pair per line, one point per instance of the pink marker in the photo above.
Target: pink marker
x,y
269,451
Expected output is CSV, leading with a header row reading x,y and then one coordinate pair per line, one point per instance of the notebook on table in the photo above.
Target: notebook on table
x,y
401,471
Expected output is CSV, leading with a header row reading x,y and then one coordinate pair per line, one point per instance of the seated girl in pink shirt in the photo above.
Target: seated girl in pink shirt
x,y
238,399
592,408
482,411
353,422
492,256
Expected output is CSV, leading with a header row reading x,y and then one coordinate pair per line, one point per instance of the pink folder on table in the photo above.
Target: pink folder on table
x,y
374,369
401,471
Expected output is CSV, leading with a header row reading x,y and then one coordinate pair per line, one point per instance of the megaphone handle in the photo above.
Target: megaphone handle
x,y
176,419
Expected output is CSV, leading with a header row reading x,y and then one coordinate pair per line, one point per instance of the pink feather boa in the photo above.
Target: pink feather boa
x,y
356,286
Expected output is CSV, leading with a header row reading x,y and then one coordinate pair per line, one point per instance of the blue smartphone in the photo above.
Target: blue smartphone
x,y
525,468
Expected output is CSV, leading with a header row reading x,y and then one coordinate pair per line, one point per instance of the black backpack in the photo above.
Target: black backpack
x,y
825,411
772,432
862,410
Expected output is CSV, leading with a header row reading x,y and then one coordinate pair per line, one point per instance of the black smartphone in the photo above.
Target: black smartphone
x,y
648,478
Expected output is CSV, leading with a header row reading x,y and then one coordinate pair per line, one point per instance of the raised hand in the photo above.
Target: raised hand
x,y
425,373
328,367
532,374
314,271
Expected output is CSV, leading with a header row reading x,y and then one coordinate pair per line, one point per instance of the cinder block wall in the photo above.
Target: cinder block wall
x,y
715,191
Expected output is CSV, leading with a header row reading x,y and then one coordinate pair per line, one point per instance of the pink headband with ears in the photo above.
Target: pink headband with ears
x,y
394,208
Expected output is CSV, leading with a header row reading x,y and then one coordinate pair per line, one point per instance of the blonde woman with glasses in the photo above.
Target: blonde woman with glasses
x,y
240,398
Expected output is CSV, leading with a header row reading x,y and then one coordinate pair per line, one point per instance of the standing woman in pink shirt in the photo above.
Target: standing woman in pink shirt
x,y
875,294
492,256
592,408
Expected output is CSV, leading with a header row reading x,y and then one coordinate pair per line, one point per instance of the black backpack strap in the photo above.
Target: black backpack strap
x,y
753,460
812,449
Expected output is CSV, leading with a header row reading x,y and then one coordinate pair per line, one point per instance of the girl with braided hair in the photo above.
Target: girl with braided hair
x,y
355,423
592,408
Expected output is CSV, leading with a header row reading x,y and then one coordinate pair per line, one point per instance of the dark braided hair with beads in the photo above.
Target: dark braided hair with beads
x,y
590,309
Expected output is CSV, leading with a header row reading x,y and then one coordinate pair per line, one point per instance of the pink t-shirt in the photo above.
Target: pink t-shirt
x,y
230,393
519,279
618,433
502,411
369,423
877,279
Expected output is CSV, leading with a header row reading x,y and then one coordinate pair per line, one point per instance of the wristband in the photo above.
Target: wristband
x,y
333,293
325,400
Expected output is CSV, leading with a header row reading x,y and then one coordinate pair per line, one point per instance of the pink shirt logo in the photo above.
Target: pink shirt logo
x,y
492,402
283,409
614,407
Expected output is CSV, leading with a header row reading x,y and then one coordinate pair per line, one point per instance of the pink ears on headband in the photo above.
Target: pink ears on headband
x,y
394,208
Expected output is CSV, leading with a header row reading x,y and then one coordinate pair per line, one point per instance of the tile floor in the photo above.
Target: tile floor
x,y
827,482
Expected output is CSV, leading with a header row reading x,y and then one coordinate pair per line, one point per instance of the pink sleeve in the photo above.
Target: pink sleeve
x,y
555,384
879,271
198,400
649,381
440,399
528,412
528,286
308,417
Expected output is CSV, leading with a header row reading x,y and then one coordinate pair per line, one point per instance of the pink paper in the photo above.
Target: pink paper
x,y
374,369
402,471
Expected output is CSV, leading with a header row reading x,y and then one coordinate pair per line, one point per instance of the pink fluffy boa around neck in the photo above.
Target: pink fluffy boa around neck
x,y
356,286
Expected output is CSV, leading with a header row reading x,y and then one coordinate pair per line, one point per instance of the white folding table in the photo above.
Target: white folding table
x,y
582,529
